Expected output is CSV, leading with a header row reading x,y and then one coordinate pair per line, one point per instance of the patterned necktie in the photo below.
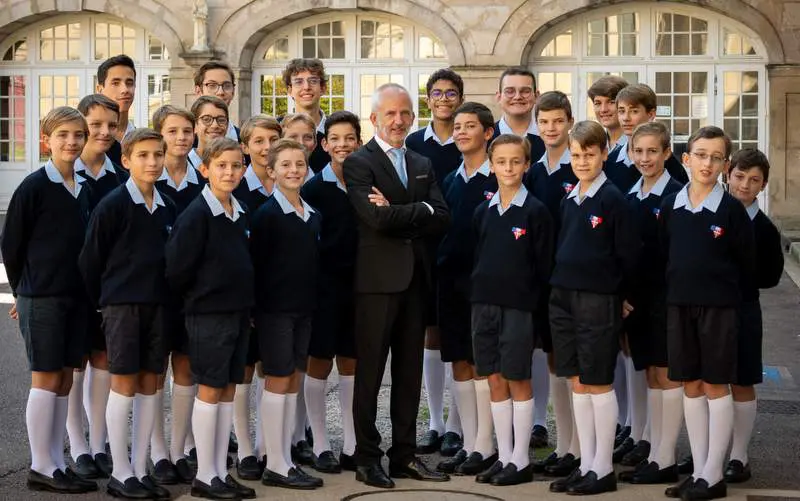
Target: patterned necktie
x,y
396,154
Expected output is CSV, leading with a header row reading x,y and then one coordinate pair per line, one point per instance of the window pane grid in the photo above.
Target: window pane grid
x,y
18,51
430,48
736,44
552,80
591,77
274,101
559,46
616,35
368,85
381,40
158,94
682,102
12,123
681,35
424,115
324,41
333,99
741,108
156,50
55,91
60,43
111,39
278,50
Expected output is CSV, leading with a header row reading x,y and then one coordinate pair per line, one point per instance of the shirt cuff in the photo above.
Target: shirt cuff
x,y
426,204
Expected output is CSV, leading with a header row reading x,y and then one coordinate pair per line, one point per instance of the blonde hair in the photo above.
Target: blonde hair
x,y
60,116
282,145
137,136
259,121
292,118
511,139
161,114
217,147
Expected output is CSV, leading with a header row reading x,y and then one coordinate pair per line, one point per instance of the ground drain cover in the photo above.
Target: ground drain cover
x,y
419,495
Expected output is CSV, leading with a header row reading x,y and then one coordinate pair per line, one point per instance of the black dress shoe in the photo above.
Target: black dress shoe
x,y
131,489
228,462
486,475
701,490
164,473
475,464
233,444
184,471
217,490
540,464
242,490
373,475
565,465
417,470
86,485
736,472
539,437
315,481
654,474
686,465
85,467
562,484
192,459
627,475
302,453
309,436
292,480
156,491
104,464
429,443
248,469
449,465
677,490
640,452
451,444
509,475
347,462
622,434
591,485
326,463
624,448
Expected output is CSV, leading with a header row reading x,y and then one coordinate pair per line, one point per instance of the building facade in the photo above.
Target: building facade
x,y
732,63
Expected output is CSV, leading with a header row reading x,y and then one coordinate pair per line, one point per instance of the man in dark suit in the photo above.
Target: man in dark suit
x,y
398,204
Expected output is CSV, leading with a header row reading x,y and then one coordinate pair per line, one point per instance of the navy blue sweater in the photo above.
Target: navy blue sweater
x,y
769,256
624,177
537,145
444,159
251,199
338,237
319,158
122,261
185,196
106,184
551,188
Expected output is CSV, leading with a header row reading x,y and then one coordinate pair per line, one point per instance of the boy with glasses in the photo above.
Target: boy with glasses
x,y
517,95
216,78
306,82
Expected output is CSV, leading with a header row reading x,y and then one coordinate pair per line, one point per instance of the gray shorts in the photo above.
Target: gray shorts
x,y
502,341
218,347
55,331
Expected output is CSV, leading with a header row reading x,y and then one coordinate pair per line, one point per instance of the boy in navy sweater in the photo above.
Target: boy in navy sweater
x,y
50,300
603,95
513,258
306,82
300,127
116,79
464,190
748,176
517,95
708,239
647,324
332,329
596,258
208,264
284,252
122,263
215,78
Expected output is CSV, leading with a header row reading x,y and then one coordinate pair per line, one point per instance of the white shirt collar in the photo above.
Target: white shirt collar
x,y
190,177
330,177
108,167
622,156
483,170
386,146
231,132
194,159
288,208
430,133
504,128
711,202
216,206
253,182
130,128
657,188
565,159
592,191
752,209
138,198
321,125
55,176
518,200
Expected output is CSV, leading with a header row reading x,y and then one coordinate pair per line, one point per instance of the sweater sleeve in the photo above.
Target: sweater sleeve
x,y
770,255
20,220
101,234
184,250
542,243
627,245
743,245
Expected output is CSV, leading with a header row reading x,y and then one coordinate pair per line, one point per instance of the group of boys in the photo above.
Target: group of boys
x,y
581,263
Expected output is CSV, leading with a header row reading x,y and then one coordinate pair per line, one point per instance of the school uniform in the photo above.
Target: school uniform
x,y
596,258
285,259
710,259
333,326
44,230
184,192
537,145
620,169
208,265
122,263
115,152
318,158
250,191
647,323
444,156
513,257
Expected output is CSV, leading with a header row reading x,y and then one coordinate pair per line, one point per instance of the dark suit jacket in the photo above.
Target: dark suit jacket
x,y
391,238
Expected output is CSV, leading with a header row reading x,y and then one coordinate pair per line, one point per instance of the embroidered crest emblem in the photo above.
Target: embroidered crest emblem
x,y
595,221
488,194
717,231
518,232
568,187
656,212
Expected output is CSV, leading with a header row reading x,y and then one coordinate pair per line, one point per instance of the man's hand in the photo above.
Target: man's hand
x,y
12,313
377,198
626,308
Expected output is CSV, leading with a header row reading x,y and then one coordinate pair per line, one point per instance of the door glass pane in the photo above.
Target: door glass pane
x,y
682,103
424,114
12,111
54,91
741,108
333,99
591,77
158,94
616,35
274,101
367,85
548,80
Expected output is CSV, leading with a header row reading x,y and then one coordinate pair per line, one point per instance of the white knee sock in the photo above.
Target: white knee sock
x,y
559,391
346,388
158,441
98,401
117,411
204,423
605,408
59,431
523,423
744,420
671,420
655,405
453,423
274,406
695,411
289,423
86,400
77,439
503,417
621,388
720,426
464,396
39,421
144,413
182,400
575,441
222,437
299,428
317,413
540,380
483,405
637,400
189,443
259,447
433,375
241,420
584,423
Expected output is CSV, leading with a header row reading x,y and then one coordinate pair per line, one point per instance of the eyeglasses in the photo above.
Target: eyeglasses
x,y
214,87
448,94
522,91
208,120
312,81
715,160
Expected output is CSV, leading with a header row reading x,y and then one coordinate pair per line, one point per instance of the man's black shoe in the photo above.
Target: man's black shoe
x,y
156,491
591,485
242,490
164,473
640,452
686,465
104,464
248,469
619,453
622,434
316,481
373,475
85,467
562,484
86,485
449,465
233,444
302,453
475,464
509,475
566,464
486,475
677,490
292,480
416,470
654,474
326,463
540,464
451,443
347,462
217,490
130,489
538,437
736,472
429,443
701,490
185,471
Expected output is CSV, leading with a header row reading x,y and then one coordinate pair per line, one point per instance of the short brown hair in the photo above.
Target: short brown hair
x,y
259,121
281,145
200,75
511,139
61,115
217,147
291,118
638,95
212,100
517,70
298,65
656,129
137,136
751,158
607,86
92,100
710,132
551,101
588,133
161,114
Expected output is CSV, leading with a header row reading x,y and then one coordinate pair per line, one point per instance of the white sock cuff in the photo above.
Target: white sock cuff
x,y
602,398
432,353
522,405
204,405
178,389
481,385
694,400
581,396
463,385
312,381
504,404
241,389
720,402
42,393
119,396
268,396
347,379
745,405
225,405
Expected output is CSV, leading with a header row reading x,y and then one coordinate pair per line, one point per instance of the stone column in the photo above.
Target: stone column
x,y
481,84
784,144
